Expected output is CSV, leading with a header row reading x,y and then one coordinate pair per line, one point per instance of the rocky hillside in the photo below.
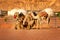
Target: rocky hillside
x,y
30,4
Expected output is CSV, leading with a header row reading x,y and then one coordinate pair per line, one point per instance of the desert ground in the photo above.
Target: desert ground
x,y
7,31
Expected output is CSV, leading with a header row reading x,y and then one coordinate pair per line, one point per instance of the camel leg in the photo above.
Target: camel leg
x,y
48,20
37,24
28,27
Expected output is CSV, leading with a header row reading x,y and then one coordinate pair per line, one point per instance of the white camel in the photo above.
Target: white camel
x,y
13,11
48,12
17,12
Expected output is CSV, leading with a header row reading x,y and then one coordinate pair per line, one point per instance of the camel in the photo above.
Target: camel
x,y
43,15
19,20
28,19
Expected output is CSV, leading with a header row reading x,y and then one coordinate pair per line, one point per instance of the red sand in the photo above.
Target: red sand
x,y
6,33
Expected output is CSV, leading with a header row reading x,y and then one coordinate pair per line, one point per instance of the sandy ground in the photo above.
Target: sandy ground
x,y
7,31
42,34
